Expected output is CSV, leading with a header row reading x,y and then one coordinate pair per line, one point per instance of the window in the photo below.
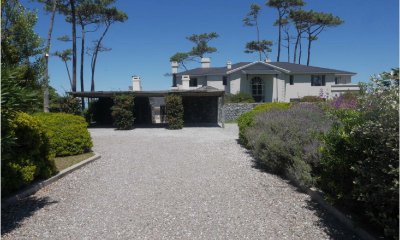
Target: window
x,y
224,80
317,80
338,80
193,82
174,80
257,86
291,80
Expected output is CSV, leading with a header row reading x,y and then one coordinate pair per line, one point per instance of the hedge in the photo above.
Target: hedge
x,y
29,157
174,109
122,111
68,133
247,119
239,98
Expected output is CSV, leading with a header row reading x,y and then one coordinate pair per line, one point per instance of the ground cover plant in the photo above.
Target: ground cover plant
x,y
174,108
239,98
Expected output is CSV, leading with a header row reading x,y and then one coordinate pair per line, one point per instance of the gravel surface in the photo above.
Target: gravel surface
x,y
195,183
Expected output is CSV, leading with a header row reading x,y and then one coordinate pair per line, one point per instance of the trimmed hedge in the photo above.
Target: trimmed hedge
x,y
68,133
29,157
122,111
247,119
174,109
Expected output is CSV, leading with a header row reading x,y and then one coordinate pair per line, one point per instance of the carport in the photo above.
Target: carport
x,y
201,106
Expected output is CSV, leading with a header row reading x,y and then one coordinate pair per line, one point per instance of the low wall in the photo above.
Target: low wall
x,y
233,110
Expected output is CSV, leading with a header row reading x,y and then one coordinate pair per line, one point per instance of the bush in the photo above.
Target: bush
x,y
174,109
122,111
68,133
29,157
239,98
360,165
312,99
71,105
247,119
99,111
285,141
347,100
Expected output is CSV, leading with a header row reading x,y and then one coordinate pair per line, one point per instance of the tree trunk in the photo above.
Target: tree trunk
x,y
73,16
46,83
309,50
288,47
258,41
279,37
69,75
295,47
300,51
94,57
82,62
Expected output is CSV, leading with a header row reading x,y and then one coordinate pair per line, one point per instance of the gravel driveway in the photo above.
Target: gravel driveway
x,y
195,183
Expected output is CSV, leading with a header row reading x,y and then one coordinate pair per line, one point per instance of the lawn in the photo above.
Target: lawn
x,y
65,162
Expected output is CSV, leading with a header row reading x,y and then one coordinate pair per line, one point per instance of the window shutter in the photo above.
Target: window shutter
x,y
323,80
224,80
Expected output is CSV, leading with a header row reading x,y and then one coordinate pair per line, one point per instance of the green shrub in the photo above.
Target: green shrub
x,y
286,142
68,133
360,164
174,109
239,98
122,111
99,111
312,99
71,105
29,157
247,119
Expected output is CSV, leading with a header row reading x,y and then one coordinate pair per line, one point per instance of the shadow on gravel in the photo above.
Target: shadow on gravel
x,y
330,224
13,215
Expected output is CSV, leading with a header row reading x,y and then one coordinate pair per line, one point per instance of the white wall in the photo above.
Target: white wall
x,y
215,81
302,86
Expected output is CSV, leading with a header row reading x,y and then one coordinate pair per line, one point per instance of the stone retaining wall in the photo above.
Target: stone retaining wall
x,y
233,110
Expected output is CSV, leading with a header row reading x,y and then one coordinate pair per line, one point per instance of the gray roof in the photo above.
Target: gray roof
x,y
288,67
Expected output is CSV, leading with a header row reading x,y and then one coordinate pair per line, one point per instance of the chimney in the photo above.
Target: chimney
x,y
205,62
136,84
185,82
267,60
174,67
229,65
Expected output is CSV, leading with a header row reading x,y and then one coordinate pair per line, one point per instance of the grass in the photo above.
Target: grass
x,y
65,162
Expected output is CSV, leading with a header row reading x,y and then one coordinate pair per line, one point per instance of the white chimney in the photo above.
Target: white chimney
x,y
174,66
229,65
267,60
136,84
205,62
185,81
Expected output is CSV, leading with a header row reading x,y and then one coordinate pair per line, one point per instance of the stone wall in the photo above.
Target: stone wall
x,y
233,110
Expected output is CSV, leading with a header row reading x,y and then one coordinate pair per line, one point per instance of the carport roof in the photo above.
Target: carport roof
x,y
199,92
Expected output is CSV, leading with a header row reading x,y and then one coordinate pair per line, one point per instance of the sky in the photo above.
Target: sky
x,y
367,43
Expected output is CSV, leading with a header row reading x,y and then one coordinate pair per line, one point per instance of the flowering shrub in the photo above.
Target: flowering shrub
x,y
247,119
347,100
360,164
286,141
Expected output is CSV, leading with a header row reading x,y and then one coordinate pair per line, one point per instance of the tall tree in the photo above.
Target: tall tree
x,y
73,23
201,44
316,23
283,7
87,13
65,56
47,51
263,46
299,18
109,16
285,22
181,58
251,20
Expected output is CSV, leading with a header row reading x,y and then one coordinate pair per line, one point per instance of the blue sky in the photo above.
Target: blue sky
x,y
367,43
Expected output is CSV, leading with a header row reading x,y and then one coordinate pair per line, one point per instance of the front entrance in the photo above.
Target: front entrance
x,y
261,89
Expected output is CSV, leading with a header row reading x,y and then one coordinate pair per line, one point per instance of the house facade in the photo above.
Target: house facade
x,y
266,81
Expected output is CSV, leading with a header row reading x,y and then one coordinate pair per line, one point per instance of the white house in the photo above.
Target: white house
x,y
266,81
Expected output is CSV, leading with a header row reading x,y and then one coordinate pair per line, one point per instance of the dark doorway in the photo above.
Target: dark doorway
x,y
142,111
200,109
